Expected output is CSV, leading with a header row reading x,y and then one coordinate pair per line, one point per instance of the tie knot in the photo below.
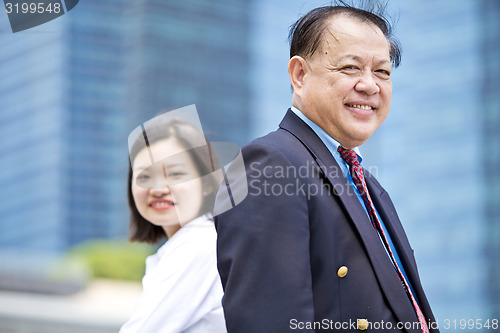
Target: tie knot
x,y
348,155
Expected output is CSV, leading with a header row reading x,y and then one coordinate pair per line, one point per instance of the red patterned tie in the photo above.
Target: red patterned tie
x,y
359,180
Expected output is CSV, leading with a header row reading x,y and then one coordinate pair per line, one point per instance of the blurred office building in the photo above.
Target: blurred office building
x,y
71,92
438,150
74,88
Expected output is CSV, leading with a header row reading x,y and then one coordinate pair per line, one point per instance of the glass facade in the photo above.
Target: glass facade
x,y
192,52
423,152
95,120
31,123
73,89
490,106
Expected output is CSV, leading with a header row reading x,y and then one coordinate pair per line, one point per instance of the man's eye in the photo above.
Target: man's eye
x,y
384,72
350,67
142,176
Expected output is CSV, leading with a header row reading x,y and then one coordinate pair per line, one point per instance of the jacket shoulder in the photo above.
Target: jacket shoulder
x,y
279,143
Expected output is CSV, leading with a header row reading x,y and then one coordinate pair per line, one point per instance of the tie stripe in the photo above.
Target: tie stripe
x,y
356,171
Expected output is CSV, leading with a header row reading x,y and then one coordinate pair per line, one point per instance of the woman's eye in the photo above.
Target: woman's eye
x,y
175,174
142,179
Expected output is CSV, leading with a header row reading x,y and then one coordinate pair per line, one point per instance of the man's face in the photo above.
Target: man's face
x,y
347,88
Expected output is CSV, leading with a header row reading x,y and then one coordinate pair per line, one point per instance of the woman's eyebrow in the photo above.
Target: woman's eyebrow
x,y
140,168
168,165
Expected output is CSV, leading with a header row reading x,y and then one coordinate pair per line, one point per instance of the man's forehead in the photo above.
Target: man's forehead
x,y
344,23
342,31
343,27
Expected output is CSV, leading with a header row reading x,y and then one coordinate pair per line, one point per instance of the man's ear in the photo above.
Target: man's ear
x,y
297,69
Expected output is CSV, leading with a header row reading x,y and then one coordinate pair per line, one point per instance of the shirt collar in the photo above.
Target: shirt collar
x,y
329,142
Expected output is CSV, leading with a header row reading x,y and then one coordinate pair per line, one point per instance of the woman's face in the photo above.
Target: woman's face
x,y
168,193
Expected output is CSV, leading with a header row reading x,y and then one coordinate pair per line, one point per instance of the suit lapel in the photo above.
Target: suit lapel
x,y
382,266
388,213
391,220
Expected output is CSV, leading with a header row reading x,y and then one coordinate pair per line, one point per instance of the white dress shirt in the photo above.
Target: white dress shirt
x,y
182,291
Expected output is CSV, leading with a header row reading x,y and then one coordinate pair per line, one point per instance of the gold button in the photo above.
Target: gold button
x,y
342,271
362,324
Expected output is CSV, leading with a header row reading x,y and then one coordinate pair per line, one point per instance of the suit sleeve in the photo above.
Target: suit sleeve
x,y
263,248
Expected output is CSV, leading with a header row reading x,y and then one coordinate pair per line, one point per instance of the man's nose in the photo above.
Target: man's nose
x,y
367,84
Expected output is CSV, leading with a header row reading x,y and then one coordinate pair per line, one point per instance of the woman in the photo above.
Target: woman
x,y
171,190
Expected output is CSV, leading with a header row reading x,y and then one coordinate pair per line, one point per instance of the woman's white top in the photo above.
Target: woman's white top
x,y
182,291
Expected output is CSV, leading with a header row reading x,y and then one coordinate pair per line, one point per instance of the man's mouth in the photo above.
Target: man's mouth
x,y
360,106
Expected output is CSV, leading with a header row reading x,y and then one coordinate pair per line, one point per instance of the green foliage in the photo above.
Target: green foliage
x,y
113,259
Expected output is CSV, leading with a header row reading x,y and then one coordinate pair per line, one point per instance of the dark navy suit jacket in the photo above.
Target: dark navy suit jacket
x,y
279,251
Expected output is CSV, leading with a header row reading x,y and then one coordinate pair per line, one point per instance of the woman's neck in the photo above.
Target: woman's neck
x,y
170,230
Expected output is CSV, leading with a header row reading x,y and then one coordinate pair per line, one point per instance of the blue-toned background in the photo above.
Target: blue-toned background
x,y
73,89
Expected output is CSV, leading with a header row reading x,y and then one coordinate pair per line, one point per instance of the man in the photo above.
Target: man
x,y
317,244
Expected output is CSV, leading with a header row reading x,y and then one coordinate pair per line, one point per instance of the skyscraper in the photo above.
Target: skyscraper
x,y
31,138
74,88
192,52
490,154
